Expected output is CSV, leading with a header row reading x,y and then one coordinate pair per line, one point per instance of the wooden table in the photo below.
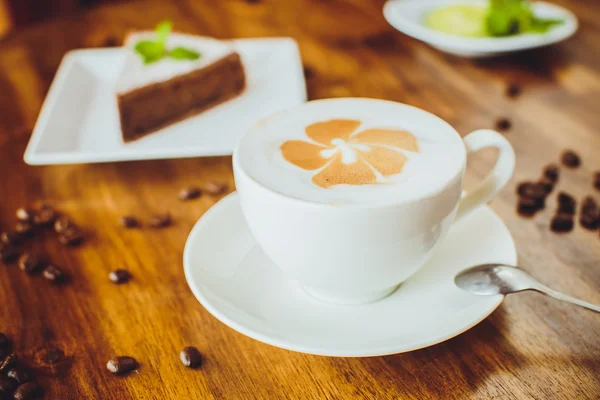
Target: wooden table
x,y
531,347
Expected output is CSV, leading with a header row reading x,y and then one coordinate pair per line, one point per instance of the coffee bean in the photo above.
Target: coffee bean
x,y
513,89
503,124
129,221
190,357
11,238
71,236
215,188
19,374
552,172
24,214
590,220
121,365
528,206
570,159
189,193
53,274
24,228
562,223
523,187
28,391
30,263
7,386
45,216
597,180
566,203
589,205
160,220
119,276
8,253
548,185
8,362
535,191
62,224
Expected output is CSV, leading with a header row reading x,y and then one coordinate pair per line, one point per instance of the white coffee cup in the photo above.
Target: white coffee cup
x,y
358,253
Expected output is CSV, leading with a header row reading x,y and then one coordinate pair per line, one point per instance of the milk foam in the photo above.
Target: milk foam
x,y
440,158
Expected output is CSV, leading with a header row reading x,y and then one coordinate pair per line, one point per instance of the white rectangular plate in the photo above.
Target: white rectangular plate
x,y
79,121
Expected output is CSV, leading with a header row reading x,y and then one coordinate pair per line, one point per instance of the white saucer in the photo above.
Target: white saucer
x,y
407,16
234,281
79,121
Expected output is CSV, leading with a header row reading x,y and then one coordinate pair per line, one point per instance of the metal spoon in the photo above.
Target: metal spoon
x,y
489,279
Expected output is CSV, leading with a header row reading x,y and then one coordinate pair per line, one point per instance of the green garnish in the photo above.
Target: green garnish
x,y
155,50
511,17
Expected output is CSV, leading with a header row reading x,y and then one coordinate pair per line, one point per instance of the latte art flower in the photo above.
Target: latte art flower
x,y
343,155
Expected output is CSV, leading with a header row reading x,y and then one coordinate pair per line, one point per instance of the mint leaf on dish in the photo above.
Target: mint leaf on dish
x,y
155,50
163,30
150,51
181,53
512,17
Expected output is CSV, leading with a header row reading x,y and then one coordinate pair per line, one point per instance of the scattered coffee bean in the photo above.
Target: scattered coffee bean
x,y
19,374
71,236
7,386
535,191
503,124
190,357
562,223
24,214
160,220
11,238
570,159
8,253
589,204
28,391
523,187
215,188
513,89
566,203
8,362
30,263
547,184
552,172
24,228
4,342
53,273
527,206
121,365
590,220
45,216
129,221
597,180
62,224
119,276
189,193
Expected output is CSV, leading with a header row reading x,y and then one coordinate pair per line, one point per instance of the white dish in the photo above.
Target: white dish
x,y
232,278
79,121
407,16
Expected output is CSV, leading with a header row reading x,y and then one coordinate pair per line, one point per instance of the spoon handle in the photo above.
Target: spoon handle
x,y
563,297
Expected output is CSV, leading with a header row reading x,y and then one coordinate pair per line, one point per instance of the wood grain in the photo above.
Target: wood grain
x,y
530,348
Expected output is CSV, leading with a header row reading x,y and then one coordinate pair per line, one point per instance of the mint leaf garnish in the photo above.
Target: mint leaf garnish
x,y
511,17
163,30
181,53
155,50
150,51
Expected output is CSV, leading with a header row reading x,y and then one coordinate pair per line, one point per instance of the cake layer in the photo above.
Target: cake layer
x,y
154,106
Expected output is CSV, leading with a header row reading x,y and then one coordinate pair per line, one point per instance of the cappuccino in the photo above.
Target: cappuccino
x,y
353,151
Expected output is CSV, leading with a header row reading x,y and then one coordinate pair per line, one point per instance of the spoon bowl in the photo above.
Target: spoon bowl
x,y
494,279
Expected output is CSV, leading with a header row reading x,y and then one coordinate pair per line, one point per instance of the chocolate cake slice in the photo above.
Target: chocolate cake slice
x,y
153,95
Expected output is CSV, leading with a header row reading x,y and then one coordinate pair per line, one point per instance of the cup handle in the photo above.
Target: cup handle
x,y
498,176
